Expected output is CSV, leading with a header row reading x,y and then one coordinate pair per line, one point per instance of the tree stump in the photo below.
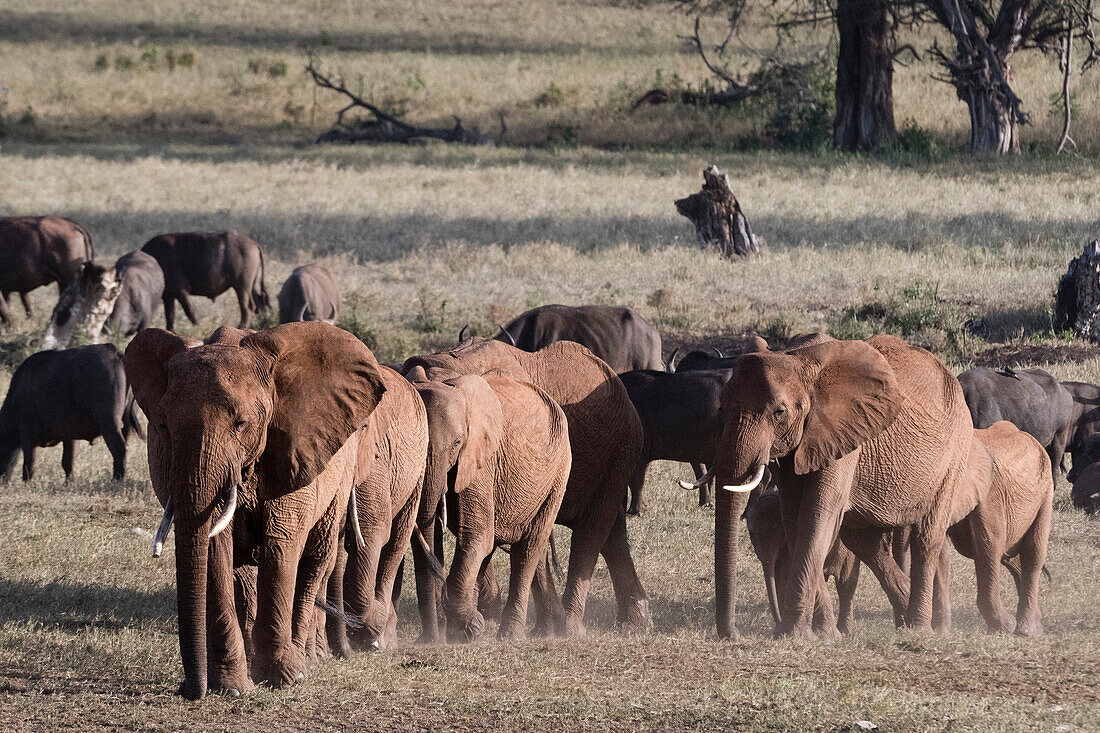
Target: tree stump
x,y
1077,302
718,219
83,307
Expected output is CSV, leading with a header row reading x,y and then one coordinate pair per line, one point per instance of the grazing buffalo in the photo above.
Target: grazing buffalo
x,y
66,396
141,289
208,264
311,293
37,251
618,335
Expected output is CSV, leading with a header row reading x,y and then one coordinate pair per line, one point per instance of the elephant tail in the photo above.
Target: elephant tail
x,y
352,621
87,239
554,559
260,299
434,565
1046,572
130,421
773,596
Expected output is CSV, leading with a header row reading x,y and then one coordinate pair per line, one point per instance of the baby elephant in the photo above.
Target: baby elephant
x,y
311,293
768,542
1085,475
66,396
1011,521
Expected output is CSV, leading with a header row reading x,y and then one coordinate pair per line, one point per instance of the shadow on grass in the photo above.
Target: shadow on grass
x,y
18,27
73,605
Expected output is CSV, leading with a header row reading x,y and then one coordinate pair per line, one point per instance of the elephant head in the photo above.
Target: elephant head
x,y
271,407
464,431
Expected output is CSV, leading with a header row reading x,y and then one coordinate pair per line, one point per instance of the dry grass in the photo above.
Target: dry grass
x,y
960,255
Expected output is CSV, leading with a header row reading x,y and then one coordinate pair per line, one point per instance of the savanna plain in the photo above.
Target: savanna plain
x,y
956,254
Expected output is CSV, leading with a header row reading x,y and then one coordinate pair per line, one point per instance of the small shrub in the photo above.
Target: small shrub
x,y
277,69
150,55
659,299
294,112
552,97
101,62
16,347
919,143
431,319
124,63
778,330
28,118
186,59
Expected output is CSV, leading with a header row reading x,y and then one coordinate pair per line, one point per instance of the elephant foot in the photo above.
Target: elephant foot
x,y
635,616
233,684
512,631
426,638
1029,627
189,690
827,633
282,670
1004,624
468,630
574,628
729,632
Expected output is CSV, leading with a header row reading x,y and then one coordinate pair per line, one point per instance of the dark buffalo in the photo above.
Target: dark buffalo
x,y
141,289
1086,400
618,335
311,293
680,419
37,251
1031,399
66,396
208,264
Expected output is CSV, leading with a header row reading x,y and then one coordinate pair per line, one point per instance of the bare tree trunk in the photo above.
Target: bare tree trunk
x,y
717,216
864,77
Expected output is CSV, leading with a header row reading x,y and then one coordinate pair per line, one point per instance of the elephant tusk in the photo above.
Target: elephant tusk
x,y
226,516
752,484
353,517
163,527
702,481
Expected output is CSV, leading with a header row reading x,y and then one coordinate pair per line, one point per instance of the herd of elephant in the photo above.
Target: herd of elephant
x,y
298,471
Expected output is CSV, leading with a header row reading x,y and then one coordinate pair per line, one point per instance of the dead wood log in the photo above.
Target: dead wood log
x,y
83,307
1077,302
385,126
717,216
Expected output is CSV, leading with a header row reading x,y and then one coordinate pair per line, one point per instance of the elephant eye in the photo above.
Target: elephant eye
x,y
780,411
458,441
239,423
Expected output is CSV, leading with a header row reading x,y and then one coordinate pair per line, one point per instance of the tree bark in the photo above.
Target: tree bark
x,y
1077,301
864,77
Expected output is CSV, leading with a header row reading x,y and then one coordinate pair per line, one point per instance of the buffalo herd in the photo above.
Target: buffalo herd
x,y
500,439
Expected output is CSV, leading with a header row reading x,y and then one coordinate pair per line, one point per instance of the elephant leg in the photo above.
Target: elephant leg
x,y
427,585
244,302
336,630
941,593
116,444
637,481
244,591
68,453
26,304
926,544
633,604
846,581
527,555
822,499
489,603
169,312
188,310
824,619
900,538
872,546
389,565
277,661
361,575
314,570
472,545
549,611
706,491
227,663
1033,554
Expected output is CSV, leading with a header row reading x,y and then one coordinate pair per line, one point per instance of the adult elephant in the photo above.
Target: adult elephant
x,y
141,289
616,334
872,434
37,251
258,434
499,450
66,396
386,501
208,264
1030,399
605,439
311,293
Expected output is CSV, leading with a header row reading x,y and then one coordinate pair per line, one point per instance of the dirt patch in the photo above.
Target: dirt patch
x,y
1014,354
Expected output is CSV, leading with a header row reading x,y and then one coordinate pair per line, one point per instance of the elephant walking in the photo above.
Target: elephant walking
x,y
66,396
605,440
254,445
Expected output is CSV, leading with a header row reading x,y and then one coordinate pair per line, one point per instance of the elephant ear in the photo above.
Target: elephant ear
x,y
484,428
146,361
854,396
146,364
325,385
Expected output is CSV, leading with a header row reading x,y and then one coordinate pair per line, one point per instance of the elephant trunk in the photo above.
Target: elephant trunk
x,y
192,552
773,595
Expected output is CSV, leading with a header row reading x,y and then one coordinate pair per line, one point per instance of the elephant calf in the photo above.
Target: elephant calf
x,y
311,293
769,543
1011,520
66,396
501,445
